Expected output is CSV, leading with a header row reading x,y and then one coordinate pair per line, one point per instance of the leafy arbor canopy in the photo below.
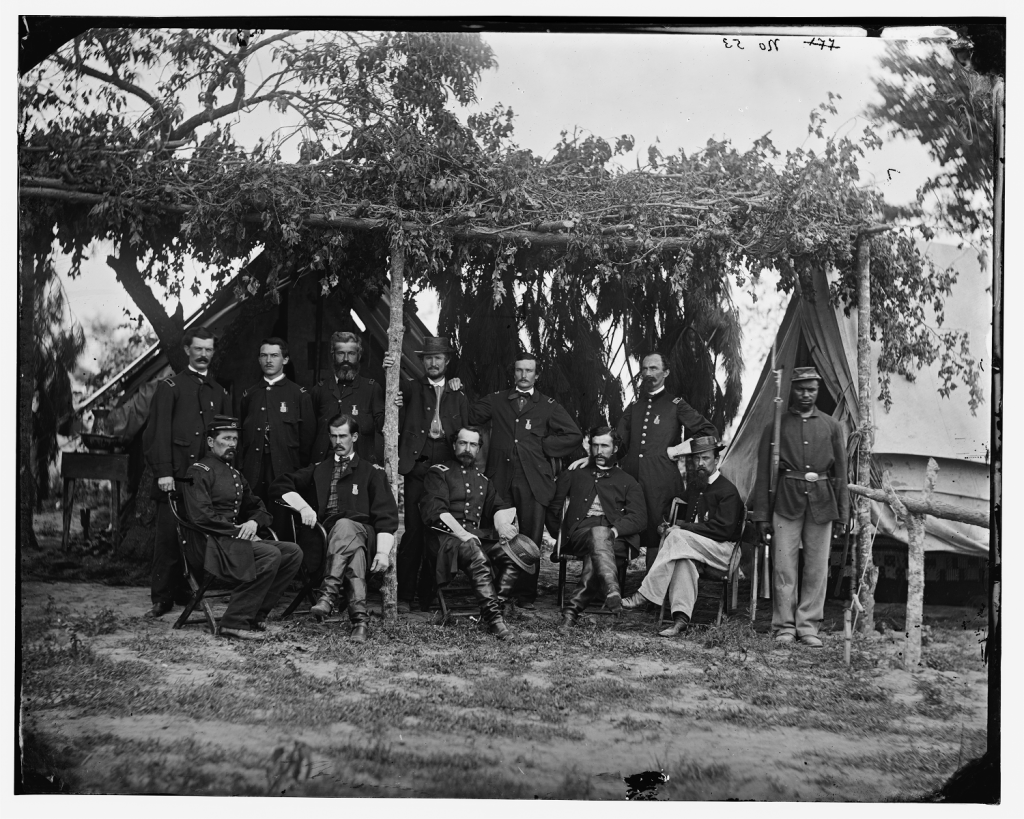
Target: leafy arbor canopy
x,y
588,259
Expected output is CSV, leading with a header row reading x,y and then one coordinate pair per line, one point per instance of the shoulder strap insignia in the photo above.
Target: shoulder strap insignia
x,y
378,466
199,465
442,467
676,400
551,400
482,475
369,380
247,391
302,389
169,381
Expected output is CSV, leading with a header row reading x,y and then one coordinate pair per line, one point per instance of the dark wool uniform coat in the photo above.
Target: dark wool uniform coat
x,y
622,501
648,427
542,430
715,511
813,444
219,498
418,402
176,435
466,493
364,495
363,399
282,412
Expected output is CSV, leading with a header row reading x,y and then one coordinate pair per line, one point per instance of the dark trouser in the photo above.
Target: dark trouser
x,y
470,558
282,524
347,544
277,562
650,541
603,558
168,574
531,523
414,572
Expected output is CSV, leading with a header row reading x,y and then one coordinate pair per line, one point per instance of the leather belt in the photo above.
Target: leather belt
x,y
810,477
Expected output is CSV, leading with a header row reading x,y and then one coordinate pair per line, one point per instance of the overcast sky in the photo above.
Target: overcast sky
x,y
679,90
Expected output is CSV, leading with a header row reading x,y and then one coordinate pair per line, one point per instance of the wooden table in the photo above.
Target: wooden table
x,y
99,467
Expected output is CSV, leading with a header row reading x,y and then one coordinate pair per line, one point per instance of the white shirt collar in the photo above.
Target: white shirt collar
x,y
197,371
279,377
658,391
435,383
713,477
525,392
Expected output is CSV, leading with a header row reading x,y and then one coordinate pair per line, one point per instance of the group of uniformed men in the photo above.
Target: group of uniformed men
x,y
312,454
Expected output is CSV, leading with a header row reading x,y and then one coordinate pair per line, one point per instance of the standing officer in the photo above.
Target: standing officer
x,y
184,405
811,494
277,427
527,428
655,421
219,498
431,414
352,394
353,501
605,514
460,503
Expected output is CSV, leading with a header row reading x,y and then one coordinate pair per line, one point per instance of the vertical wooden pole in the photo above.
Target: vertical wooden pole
x,y
26,388
868,573
915,576
396,330
993,645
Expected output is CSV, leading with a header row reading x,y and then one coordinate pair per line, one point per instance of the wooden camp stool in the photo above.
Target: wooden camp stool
x,y
98,467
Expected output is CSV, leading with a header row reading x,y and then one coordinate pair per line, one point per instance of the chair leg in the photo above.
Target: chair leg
x,y
198,592
442,604
563,565
723,602
754,584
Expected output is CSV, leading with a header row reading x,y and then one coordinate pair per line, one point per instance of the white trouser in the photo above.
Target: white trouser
x,y
674,573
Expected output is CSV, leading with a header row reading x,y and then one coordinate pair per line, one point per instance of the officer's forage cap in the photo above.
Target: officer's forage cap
x,y
221,423
805,374
695,446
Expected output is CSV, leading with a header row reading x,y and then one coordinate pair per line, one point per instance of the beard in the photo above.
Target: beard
x,y
346,372
466,458
699,479
229,456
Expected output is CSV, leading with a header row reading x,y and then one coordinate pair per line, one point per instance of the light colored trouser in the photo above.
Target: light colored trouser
x,y
674,572
790,616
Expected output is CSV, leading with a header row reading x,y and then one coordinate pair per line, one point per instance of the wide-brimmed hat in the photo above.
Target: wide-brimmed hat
x,y
805,374
694,446
523,552
432,345
221,423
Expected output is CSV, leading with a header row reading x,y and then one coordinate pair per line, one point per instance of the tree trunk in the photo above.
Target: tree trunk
x,y
26,388
915,576
169,329
993,644
868,572
928,506
396,330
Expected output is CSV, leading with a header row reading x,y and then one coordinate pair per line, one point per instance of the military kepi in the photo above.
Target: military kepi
x,y
221,423
805,374
434,345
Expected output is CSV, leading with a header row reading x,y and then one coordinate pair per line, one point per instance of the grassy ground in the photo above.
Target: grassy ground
x,y
116,703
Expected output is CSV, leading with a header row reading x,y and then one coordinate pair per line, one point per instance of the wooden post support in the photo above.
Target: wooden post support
x,y
915,576
26,387
396,330
868,573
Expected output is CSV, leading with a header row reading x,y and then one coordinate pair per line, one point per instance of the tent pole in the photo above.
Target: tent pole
x,y
868,573
318,354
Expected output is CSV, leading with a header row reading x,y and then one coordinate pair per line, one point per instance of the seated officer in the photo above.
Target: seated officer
x,y
353,501
457,502
602,524
218,497
714,512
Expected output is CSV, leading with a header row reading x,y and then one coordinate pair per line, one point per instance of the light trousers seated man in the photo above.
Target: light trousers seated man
x,y
676,570
345,567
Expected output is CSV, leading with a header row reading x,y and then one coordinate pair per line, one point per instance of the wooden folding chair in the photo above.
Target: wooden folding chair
x,y
202,592
310,571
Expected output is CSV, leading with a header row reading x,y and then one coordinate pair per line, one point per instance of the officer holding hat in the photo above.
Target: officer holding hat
x,y
458,503
811,495
217,497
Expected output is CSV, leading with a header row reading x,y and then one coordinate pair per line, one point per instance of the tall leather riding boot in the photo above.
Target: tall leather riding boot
x,y
473,562
506,582
355,586
330,589
586,588
603,550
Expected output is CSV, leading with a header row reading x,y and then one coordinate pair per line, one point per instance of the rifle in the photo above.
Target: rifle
x,y
773,480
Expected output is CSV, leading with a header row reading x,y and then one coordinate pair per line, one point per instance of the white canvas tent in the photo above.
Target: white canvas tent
x,y
920,424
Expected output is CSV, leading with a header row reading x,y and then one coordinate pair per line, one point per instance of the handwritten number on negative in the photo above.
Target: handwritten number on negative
x,y
769,45
726,41
820,43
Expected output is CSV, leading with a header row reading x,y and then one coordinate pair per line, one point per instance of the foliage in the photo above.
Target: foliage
x,y
119,345
930,97
58,342
573,252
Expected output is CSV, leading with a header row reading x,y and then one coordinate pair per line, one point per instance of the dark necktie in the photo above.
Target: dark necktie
x,y
521,401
